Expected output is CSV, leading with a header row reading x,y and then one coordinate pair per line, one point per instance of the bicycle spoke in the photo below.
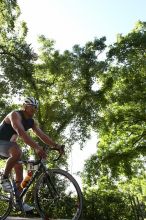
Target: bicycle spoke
x,y
61,198
5,204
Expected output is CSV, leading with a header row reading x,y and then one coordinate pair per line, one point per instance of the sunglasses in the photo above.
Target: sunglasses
x,y
34,106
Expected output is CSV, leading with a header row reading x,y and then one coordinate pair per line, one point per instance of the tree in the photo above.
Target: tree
x,y
122,131
17,57
120,158
66,85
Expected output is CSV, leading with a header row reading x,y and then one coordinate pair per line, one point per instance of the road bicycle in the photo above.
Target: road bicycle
x,y
57,194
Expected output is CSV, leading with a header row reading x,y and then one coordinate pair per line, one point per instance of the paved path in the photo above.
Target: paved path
x,y
21,218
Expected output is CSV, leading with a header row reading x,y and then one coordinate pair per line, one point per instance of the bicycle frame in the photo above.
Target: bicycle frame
x,y
35,175
49,191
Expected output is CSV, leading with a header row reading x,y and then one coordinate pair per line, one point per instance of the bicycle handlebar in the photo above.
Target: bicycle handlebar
x,y
36,162
62,149
60,155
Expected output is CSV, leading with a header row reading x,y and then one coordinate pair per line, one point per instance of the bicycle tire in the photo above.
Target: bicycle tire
x,y
5,204
58,195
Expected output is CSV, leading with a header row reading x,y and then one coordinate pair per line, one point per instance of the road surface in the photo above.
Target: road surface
x,y
21,218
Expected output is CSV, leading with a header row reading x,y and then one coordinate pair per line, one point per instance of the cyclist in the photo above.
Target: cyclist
x,y
15,125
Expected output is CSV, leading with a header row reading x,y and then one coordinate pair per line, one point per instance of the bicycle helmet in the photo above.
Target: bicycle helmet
x,y
31,101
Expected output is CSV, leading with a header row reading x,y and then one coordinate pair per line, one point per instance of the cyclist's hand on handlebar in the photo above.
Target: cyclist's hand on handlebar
x,y
40,152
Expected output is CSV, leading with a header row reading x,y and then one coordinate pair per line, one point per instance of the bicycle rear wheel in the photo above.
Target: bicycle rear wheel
x,y
5,204
58,196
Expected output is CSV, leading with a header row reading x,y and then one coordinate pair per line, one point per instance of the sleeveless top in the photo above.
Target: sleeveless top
x,y
7,131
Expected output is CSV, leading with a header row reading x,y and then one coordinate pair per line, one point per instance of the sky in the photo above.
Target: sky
x,y
70,22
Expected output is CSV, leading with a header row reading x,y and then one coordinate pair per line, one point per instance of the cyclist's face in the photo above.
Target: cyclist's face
x,y
30,110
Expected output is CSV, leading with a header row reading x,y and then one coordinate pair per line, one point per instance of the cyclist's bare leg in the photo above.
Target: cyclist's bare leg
x,y
15,155
19,175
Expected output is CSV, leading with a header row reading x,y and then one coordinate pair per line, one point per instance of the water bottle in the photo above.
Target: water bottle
x,y
26,179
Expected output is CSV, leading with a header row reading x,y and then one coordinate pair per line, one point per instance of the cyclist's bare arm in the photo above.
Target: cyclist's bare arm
x,y
45,138
15,119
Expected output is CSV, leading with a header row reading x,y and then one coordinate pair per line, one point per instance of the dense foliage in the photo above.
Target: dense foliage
x,y
81,91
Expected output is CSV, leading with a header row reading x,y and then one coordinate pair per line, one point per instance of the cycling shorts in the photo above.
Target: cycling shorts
x,y
5,146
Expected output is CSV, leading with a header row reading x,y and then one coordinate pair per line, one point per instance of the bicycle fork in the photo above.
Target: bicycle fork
x,y
16,200
51,186
54,195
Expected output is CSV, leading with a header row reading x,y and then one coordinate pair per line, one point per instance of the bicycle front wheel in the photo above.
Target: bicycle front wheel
x,y
58,196
5,204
